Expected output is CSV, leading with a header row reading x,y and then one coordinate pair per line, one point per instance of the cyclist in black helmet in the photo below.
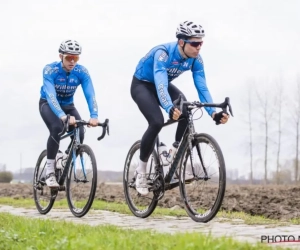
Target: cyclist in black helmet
x,y
151,88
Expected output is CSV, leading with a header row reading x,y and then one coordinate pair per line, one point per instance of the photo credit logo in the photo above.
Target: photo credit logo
x,y
280,239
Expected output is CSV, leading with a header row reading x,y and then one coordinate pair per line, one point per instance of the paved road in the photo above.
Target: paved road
x,y
167,224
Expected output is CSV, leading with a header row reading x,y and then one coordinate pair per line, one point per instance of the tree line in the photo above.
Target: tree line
x,y
273,124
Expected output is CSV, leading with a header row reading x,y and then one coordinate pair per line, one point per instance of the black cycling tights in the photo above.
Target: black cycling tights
x,y
55,125
145,96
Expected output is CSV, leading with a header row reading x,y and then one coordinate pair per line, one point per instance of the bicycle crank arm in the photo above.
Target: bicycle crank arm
x,y
79,180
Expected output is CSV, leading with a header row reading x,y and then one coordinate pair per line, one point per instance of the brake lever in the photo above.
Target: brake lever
x,y
105,129
178,103
107,126
227,103
67,123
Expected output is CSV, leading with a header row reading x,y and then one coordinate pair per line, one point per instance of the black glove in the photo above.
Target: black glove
x,y
171,112
218,117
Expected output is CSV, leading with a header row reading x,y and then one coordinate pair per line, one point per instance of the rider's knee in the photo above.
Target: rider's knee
x,y
55,130
157,124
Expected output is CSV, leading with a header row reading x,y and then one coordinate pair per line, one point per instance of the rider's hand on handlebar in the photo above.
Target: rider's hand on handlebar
x,y
93,122
221,117
174,113
71,119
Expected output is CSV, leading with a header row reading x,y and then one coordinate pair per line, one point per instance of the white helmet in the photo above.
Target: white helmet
x,y
189,29
70,47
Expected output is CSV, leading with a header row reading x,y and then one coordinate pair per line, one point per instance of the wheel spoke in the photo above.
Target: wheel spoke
x,y
82,182
203,195
140,206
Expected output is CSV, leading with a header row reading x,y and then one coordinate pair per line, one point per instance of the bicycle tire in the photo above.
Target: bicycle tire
x,y
83,148
35,181
206,217
138,213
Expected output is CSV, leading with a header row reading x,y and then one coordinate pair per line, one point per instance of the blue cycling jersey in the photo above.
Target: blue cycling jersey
x,y
59,87
164,63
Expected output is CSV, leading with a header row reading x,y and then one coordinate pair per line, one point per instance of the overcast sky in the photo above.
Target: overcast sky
x,y
244,39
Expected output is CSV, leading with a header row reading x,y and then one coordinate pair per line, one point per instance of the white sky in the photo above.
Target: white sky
x,y
244,39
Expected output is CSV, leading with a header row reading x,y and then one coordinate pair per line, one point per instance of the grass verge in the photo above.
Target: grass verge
x,y
17,232
233,217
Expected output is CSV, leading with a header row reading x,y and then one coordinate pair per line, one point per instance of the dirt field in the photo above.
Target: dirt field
x,y
276,202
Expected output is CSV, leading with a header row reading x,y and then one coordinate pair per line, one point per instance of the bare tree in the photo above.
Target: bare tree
x,y
264,98
279,102
297,121
250,105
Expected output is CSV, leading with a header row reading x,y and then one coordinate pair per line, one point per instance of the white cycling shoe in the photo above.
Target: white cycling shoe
x,y
51,181
141,183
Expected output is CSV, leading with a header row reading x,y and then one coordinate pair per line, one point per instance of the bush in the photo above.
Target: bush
x,y
6,177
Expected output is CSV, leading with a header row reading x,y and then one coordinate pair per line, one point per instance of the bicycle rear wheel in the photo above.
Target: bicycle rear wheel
x,y
82,181
44,197
208,174
141,206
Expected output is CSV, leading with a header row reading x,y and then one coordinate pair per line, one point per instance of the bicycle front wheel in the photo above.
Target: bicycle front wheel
x,y
202,184
140,205
44,197
82,181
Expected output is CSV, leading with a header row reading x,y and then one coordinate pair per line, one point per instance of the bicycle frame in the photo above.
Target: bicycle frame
x,y
186,138
74,145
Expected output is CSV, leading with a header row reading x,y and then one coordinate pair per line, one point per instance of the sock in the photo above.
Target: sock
x,y
141,169
50,166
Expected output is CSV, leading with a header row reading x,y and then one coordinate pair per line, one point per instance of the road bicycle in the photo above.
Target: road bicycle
x,y
198,163
77,166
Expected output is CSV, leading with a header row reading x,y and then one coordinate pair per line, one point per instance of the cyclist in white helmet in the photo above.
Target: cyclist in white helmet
x,y
152,88
60,81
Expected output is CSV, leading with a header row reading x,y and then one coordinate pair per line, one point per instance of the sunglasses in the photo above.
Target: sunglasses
x,y
193,43
70,58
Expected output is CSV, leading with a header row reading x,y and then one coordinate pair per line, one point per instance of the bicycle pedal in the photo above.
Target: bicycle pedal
x,y
188,181
160,196
174,180
132,184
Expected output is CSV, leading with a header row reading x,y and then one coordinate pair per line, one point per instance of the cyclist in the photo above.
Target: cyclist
x,y
60,81
151,87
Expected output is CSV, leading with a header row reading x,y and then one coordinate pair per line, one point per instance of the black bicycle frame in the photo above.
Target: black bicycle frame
x,y
182,146
70,150
185,140
62,178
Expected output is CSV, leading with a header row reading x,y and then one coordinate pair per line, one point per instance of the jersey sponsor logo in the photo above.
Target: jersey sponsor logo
x,y
54,102
73,80
65,95
85,71
175,62
61,79
95,106
48,70
185,64
162,94
174,72
63,87
163,57
200,60
64,91
82,69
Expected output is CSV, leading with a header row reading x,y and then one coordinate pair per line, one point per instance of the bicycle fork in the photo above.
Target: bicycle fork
x,y
74,153
191,138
